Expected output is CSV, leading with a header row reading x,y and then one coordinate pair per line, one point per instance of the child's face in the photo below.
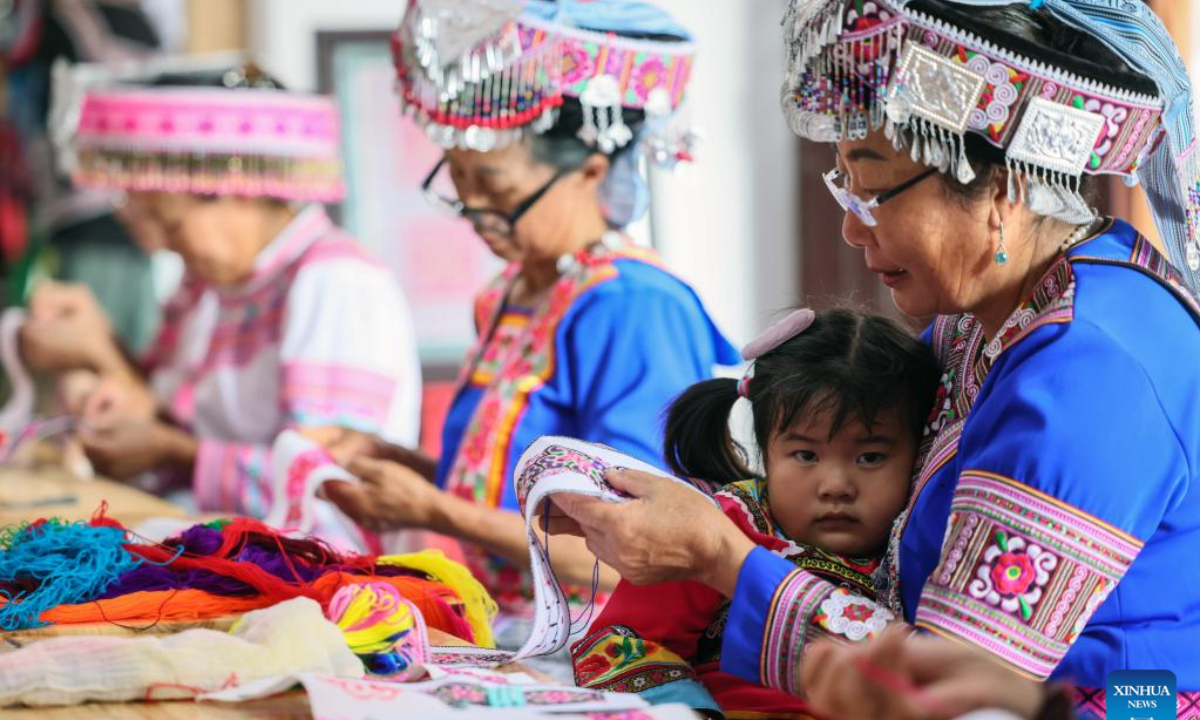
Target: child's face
x,y
840,494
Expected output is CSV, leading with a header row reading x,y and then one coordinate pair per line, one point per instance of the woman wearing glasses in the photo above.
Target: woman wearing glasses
x,y
544,120
1055,496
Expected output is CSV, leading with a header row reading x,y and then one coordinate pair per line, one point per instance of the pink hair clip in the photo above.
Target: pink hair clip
x,y
779,333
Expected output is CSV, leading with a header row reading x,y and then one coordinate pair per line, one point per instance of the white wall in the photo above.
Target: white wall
x,y
728,222
282,33
725,223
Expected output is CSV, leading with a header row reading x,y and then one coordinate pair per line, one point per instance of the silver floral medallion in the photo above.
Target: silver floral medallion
x,y
938,89
1056,137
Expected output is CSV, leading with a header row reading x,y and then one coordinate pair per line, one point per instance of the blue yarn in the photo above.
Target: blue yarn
x,y
1036,4
70,564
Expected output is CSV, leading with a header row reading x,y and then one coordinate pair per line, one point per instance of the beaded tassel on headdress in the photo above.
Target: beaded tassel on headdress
x,y
244,139
481,74
929,74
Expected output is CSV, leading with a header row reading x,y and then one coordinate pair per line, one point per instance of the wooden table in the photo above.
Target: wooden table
x,y
292,706
28,495
33,494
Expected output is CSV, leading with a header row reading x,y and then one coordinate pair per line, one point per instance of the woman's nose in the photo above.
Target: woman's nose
x,y
856,233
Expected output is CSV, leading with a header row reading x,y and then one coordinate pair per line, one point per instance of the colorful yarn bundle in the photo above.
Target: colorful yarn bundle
x,y
215,570
383,629
50,563
480,608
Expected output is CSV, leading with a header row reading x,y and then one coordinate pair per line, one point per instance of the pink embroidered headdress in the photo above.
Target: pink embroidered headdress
x,y
480,74
212,141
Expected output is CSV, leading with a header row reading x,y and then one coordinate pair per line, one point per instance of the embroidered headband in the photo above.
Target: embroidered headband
x,y
211,141
479,74
930,73
779,333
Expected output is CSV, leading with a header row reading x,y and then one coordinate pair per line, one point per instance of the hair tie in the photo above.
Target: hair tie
x,y
779,333
743,386
789,327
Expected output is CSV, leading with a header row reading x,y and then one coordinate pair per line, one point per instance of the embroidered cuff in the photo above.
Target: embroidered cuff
x,y
1021,572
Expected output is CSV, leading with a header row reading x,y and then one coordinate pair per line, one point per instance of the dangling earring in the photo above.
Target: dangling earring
x,y
1002,251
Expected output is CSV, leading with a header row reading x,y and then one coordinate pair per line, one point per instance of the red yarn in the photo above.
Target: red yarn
x,y
440,605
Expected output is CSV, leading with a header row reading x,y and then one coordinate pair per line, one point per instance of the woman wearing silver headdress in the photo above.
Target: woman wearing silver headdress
x,y
545,111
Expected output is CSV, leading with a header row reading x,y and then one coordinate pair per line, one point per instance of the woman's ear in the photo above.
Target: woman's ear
x,y
1006,198
595,169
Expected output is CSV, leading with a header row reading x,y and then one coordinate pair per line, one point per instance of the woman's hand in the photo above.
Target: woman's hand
x,y
117,399
128,448
67,330
668,532
390,497
350,444
912,677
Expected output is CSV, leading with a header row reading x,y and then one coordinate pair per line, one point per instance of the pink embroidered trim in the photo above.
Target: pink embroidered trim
x,y
1023,572
226,478
336,392
255,143
789,627
211,121
312,379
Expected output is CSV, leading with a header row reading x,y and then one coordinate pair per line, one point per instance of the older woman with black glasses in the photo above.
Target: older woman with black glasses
x,y
583,334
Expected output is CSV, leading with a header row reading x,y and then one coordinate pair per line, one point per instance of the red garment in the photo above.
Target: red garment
x,y
665,640
14,198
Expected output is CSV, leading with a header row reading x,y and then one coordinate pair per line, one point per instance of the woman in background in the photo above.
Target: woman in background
x,y
545,118
283,321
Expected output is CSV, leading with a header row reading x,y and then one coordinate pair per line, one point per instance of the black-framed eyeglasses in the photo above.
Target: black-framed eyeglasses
x,y
494,222
860,207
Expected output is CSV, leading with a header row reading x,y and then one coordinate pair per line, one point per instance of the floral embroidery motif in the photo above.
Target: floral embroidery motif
x,y
1013,574
958,343
852,616
557,459
616,659
1026,558
577,64
527,361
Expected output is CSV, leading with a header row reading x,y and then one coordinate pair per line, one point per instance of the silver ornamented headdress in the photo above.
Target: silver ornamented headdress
x,y
929,75
479,74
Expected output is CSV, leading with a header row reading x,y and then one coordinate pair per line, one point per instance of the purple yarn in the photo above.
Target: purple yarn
x,y
200,540
273,562
148,578
204,541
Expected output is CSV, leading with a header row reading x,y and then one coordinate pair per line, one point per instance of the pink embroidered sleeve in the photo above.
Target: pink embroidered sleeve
x,y
316,394
778,610
231,477
1021,572
349,351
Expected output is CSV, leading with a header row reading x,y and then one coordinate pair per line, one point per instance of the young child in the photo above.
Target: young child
x,y
838,402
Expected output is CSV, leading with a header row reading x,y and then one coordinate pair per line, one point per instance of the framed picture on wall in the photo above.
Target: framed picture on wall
x,y
438,259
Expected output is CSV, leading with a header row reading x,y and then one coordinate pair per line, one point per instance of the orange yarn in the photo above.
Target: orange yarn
x,y
434,600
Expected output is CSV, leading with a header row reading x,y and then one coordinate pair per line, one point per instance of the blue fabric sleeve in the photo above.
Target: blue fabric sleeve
x,y
1067,464
760,578
635,346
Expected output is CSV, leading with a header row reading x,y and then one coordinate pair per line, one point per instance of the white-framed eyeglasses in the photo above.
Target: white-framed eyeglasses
x,y
860,207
